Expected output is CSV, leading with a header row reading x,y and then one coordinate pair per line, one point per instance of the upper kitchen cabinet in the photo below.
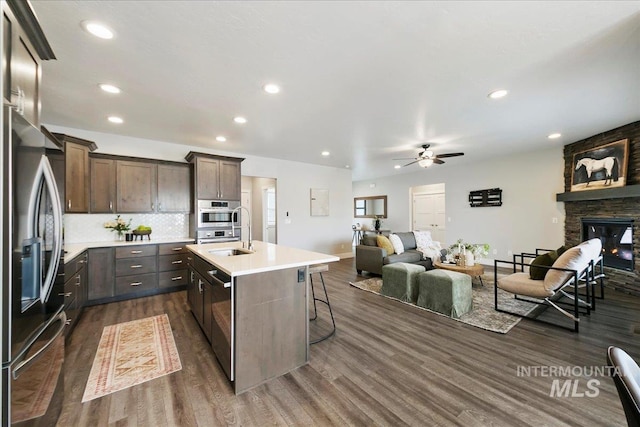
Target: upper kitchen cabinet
x,y
174,188
24,46
216,177
136,186
103,185
76,177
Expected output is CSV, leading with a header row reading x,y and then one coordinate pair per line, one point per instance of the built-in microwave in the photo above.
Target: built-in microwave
x,y
218,213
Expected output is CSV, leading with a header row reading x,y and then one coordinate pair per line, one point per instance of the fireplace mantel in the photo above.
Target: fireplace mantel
x,y
602,194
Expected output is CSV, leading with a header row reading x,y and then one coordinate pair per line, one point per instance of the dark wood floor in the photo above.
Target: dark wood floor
x,y
388,364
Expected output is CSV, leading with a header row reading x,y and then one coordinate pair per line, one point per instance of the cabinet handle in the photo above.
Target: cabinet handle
x,y
159,206
137,266
199,285
65,294
153,206
177,249
78,280
136,252
111,206
136,283
81,261
173,279
69,204
68,321
177,262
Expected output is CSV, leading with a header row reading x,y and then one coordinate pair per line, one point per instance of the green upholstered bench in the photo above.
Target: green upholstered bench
x,y
400,280
446,292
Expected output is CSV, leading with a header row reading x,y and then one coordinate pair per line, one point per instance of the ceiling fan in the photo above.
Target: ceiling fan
x,y
426,157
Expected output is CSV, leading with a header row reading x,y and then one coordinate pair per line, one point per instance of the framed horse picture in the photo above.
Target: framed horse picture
x,y
601,167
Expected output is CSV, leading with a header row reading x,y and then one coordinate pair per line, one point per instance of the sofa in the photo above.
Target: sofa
x,y
371,258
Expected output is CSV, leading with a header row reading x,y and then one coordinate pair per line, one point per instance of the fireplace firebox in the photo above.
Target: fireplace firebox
x,y
616,235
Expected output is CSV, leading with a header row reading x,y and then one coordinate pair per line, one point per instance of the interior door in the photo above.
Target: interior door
x,y
429,215
269,215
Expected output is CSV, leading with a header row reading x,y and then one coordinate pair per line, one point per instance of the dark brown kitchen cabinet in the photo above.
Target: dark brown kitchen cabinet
x,y
136,270
76,177
75,289
174,188
103,185
24,46
136,186
216,177
101,270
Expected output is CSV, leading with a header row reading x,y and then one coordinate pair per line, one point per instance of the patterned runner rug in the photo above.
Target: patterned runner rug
x,y
483,314
131,353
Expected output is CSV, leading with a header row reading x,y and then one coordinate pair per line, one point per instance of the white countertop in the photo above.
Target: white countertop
x,y
266,257
74,249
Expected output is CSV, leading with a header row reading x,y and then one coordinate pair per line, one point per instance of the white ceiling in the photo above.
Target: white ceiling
x,y
367,81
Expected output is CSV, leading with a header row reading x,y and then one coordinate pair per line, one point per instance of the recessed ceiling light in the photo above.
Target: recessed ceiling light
x,y
97,29
554,136
271,88
115,119
325,153
347,166
109,88
498,94
221,138
397,167
240,120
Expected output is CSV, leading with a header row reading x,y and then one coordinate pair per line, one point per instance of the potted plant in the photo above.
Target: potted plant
x,y
377,222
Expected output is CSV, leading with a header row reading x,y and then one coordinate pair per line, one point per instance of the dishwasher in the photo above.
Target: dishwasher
x,y
221,306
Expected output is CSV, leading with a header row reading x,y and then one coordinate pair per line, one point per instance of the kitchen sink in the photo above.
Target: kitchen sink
x,y
230,252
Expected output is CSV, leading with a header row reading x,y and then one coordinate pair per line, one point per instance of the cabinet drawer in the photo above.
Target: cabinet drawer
x,y
74,265
168,279
128,266
172,262
73,284
136,251
136,283
173,248
202,267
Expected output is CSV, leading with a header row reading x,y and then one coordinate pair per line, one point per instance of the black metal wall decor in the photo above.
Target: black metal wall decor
x,y
483,198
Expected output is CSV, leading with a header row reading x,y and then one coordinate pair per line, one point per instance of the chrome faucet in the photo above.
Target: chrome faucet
x,y
233,228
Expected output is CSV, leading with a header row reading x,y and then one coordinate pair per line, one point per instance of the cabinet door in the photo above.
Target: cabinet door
x,y
229,180
207,292
208,175
195,290
76,176
136,186
174,188
103,185
25,76
101,273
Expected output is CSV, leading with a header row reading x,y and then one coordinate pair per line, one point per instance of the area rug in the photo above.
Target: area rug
x,y
483,314
131,353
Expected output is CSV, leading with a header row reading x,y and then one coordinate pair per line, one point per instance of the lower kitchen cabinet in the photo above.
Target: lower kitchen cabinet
x,y
75,289
133,271
101,273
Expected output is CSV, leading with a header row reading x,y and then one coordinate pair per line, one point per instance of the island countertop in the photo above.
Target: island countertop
x,y
266,257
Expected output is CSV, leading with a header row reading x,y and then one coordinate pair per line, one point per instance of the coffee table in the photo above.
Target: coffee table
x,y
476,270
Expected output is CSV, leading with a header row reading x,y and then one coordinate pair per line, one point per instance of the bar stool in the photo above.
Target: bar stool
x,y
319,268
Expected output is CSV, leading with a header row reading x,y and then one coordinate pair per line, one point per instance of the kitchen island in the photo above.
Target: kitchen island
x,y
252,307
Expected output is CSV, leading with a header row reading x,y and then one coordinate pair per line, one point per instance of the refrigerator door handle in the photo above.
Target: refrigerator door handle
x,y
44,176
21,364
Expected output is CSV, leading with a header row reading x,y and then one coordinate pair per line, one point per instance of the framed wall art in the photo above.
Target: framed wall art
x,y
600,167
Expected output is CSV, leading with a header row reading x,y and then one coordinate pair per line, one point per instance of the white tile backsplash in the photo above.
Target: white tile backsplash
x,y
80,228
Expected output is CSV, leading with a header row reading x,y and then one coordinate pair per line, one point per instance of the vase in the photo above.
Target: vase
x,y
119,236
469,259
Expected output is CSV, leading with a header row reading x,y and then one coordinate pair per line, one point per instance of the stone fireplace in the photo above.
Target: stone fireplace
x,y
608,210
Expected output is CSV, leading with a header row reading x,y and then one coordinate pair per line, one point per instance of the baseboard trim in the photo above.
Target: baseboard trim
x,y
345,255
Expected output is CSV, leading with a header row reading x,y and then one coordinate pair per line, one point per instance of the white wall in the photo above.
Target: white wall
x,y
330,234
529,184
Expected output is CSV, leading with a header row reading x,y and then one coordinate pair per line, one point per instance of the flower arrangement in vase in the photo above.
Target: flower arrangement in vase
x,y
119,225
472,252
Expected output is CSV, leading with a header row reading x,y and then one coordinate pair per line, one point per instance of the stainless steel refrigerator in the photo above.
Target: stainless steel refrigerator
x,y
33,317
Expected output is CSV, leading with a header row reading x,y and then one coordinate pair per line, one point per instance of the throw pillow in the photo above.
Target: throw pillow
x,y
385,243
547,260
423,238
398,247
575,258
561,250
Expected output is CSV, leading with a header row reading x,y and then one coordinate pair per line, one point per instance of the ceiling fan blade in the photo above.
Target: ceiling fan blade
x,y
415,161
437,161
442,156
405,158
